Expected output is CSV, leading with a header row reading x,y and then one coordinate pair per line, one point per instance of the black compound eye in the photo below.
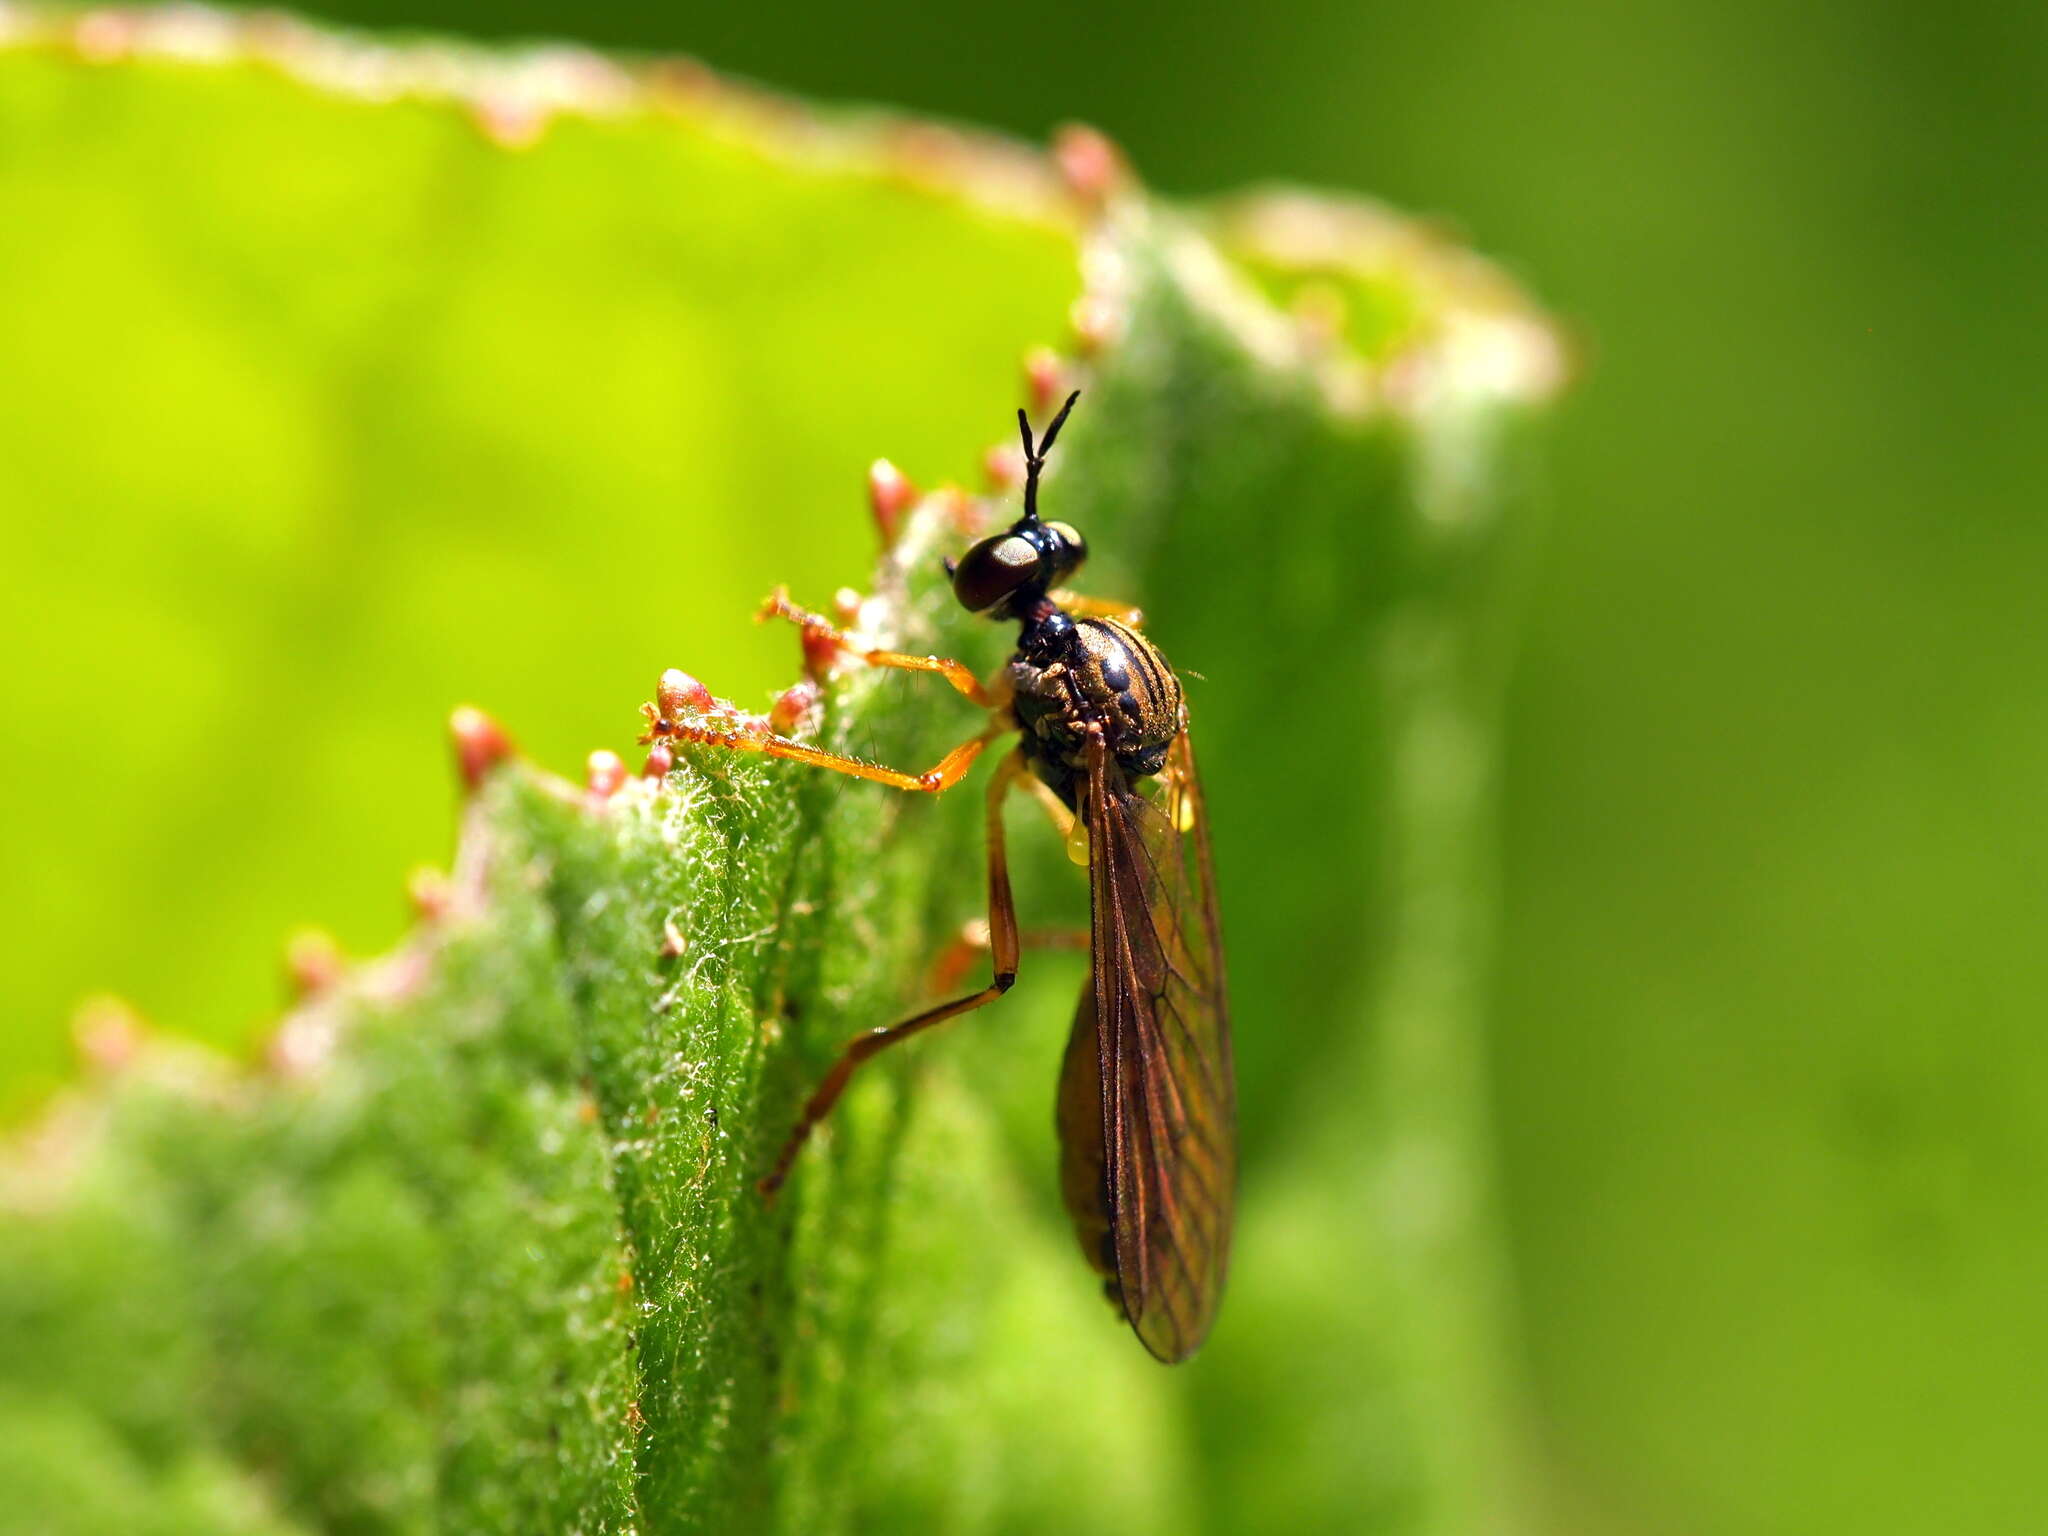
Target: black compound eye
x,y
1070,549
994,569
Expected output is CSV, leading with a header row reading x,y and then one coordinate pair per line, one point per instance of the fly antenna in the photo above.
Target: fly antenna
x,y
1034,453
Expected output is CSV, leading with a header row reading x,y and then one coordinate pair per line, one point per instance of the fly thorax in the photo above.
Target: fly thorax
x,y
1122,682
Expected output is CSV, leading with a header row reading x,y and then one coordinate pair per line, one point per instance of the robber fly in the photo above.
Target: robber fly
x,y
1147,1102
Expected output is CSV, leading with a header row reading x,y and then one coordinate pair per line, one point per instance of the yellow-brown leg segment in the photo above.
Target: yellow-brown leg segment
x,y
1098,607
817,627
950,770
1062,818
950,969
749,733
972,942
1072,830
1002,928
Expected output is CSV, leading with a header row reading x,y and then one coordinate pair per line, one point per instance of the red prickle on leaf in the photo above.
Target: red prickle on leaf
x,y
890,495
480,744
604,775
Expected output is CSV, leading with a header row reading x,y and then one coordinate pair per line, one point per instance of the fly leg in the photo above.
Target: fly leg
x,y
1098,607
823,639
1072,830
684,710
1003,946
949,771
973,939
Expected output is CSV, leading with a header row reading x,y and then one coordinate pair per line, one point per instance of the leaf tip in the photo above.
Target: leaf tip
x,y
679,694
890,494
1096,324
1002,467
104,36
793,706
661,758
480,744
963,513
106,1034
604,775
430,894
313,963
1091,165
1045,378
511,121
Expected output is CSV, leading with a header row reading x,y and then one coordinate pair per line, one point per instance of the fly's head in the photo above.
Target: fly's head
x,y
1007,575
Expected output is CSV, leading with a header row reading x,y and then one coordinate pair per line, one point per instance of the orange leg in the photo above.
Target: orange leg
x,y
1098,607
818,630
950,770
972,941
1062,819
749,738
1003,944
973,938
1072,830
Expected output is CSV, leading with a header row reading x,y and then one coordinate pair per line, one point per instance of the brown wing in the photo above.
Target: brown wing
x,y
1162,1038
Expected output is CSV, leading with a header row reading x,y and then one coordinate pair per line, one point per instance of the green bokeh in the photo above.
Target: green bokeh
x,y
1768,1069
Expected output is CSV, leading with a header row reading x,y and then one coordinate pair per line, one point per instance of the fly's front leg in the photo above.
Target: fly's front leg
x,y
950,770
685,710
823,640
1003,947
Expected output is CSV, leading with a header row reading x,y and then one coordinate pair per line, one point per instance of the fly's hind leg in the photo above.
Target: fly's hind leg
x,y
1003,946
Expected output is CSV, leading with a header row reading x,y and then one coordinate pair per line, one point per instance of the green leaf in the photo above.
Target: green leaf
x,y
476,1246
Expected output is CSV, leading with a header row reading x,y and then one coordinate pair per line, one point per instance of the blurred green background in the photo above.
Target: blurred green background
x,y
1767,1062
